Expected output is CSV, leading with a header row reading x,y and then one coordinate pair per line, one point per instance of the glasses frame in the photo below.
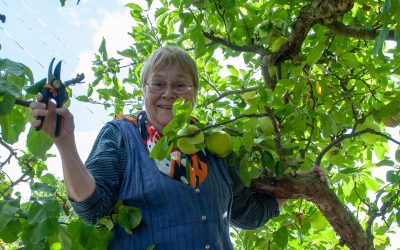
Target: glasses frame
x,y
189,87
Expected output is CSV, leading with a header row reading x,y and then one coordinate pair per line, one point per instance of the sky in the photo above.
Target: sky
x,y
35,31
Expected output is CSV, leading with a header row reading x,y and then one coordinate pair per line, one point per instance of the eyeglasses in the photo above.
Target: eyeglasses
x,y
158,87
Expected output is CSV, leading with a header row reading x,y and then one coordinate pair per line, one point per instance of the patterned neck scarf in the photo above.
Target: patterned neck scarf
x,y
190,169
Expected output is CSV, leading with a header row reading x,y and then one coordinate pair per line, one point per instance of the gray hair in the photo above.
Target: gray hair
x,y
167,55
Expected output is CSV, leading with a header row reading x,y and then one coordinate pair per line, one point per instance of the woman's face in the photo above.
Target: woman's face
x,y
159,105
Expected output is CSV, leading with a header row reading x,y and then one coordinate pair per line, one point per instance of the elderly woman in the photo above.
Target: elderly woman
x,y
187,201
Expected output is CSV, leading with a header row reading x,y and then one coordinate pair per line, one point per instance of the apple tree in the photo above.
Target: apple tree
x,y
295,83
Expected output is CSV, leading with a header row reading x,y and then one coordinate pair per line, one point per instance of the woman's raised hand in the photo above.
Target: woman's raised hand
x,y
38,109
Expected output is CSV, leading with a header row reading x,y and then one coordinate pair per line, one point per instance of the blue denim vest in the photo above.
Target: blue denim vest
x,y
174,215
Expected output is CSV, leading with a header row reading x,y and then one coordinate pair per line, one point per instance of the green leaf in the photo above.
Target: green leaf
x,y
392,176
129,217
39,143
161,149
103,50
228,4
198,39
280,169
371,184
385,163
315,53
347,187
318,221
248,141
181,110
12,125
35,233
130,53
268,161
7,211
7,102
16,69
134,6
83,98
43,187
171,128
151,247
281,236
247,170
11,232
40,212
106,221
380,40
36,87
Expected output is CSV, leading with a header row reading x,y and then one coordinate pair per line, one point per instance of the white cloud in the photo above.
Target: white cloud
x,y
114,27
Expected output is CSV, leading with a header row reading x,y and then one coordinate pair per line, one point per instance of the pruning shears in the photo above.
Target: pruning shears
x,y
54,90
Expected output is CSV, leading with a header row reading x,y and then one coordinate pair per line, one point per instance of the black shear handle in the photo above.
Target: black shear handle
x,y
46,93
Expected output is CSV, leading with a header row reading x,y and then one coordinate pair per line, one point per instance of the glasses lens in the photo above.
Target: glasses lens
x,y
160,87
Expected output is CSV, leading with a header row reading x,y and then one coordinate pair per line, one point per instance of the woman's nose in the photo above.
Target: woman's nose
x,y
169,91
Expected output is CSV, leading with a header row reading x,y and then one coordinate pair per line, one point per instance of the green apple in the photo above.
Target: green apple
x,y
272,71
190,144
397,154
219,143
369,138
251,98
277,44
266,126
390,122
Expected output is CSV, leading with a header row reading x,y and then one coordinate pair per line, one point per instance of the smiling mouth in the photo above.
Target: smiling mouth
x,y
165,106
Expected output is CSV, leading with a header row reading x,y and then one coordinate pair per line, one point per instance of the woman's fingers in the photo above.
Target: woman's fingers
x,y
39,97
315,170
39,112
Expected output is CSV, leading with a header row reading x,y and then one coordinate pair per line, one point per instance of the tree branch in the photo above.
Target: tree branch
x,y
244,48
233,92
309,187
357,32
319,11
351,135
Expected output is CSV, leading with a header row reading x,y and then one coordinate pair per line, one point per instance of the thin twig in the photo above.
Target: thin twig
x,y
351,135
232,92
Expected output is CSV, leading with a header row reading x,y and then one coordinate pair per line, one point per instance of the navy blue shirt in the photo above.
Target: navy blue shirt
x,y
175,216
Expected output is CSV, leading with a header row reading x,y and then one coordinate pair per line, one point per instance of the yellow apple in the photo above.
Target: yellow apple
x,y
219,143
318,89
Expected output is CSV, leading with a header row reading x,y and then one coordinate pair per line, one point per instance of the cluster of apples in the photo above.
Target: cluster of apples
x,y
192,139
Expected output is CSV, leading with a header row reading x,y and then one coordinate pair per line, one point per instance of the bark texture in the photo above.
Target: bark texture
x,y
319,11
309,187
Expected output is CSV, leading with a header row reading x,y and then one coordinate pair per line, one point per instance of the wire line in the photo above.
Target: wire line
x,y
22,48
40,20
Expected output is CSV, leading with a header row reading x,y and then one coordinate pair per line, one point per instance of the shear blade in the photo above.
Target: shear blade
x,y
50,75
57,71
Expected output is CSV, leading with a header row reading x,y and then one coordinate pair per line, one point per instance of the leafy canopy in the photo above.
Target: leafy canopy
x,y
325,74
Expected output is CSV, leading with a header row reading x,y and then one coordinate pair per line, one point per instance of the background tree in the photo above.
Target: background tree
x,y
296,83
